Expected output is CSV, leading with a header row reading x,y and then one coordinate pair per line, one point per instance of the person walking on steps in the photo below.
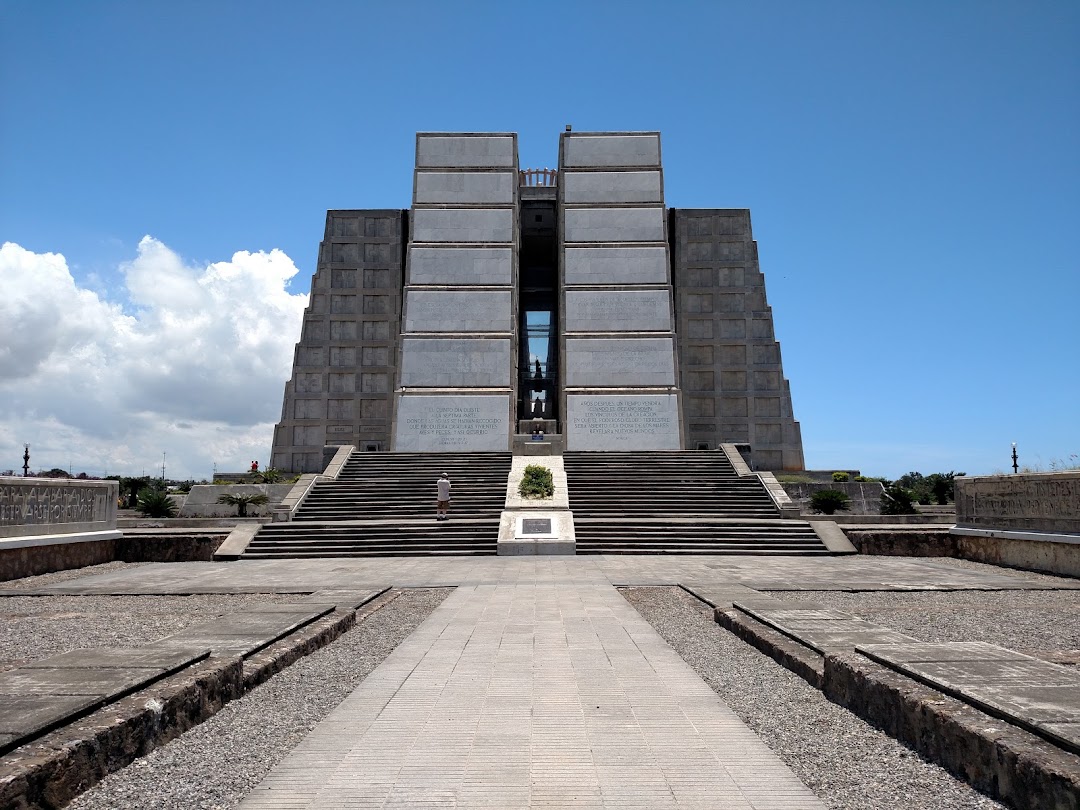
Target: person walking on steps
x,y
443,505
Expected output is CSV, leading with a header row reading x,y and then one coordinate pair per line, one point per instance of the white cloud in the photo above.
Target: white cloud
x,y
195,367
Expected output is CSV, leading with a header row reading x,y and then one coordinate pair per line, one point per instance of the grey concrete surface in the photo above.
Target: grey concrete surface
x,y
460,266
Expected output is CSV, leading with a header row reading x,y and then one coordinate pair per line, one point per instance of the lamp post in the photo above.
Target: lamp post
x,y
26,461
1016,467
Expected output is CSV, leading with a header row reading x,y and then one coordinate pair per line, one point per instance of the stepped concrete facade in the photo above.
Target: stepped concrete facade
x,y
572,301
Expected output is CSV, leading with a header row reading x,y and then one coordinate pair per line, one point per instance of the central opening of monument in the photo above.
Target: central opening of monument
x,y
538,349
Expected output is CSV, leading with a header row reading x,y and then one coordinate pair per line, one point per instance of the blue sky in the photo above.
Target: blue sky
x,y
912,170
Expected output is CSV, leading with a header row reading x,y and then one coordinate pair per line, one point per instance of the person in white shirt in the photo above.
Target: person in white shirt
x,y
442,506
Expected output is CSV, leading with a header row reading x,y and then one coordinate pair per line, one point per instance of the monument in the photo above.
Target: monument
x,y
570,300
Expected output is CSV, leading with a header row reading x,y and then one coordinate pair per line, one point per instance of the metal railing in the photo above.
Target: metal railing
x,y
545,178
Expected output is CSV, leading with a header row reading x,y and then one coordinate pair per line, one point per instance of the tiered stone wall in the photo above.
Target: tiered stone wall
x,y
1034,502
732,377
457,370
344,367
617,327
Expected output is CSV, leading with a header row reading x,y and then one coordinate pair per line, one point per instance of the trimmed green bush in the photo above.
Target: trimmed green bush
x,y
840,477
155,503
537,482
828,501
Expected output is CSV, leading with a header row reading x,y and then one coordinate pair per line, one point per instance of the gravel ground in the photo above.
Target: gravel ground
x,y
215,764
1040,623
845,761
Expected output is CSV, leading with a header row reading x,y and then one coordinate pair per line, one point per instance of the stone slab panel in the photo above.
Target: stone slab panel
x,y
615,265
129,657
463,225
465,151
620,362
612,187
641,149
460,266
492,188
622,422
24,715
452,423
456,363
618,311
613,225
458,311
100,682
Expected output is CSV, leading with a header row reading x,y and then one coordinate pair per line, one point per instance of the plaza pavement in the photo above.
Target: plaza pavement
x,y
535,684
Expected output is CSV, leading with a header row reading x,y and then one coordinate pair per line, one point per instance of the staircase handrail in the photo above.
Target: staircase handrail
x,y
286,510
781,500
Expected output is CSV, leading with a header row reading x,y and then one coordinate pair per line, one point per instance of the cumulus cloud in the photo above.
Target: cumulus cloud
x,y
193,365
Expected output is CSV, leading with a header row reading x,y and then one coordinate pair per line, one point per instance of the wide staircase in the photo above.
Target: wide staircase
x,y
383,504
676,502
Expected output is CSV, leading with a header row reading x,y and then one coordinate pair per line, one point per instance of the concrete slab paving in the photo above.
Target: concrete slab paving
x,y
546,690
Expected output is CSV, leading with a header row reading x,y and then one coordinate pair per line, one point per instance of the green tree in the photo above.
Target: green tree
x,y
155,503
896,500
271,475
829,501
241,501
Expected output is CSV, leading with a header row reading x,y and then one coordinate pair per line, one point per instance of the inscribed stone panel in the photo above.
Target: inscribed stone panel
x,y
697,407
342,356
619,362
377,278
647,264
342,279
342,383
376,330
473,151
732,328
308,409
618,311
376,304
699,381
735,431
698,302
626,422
456,363
611,187
733,406
463,225
450,266
699,328
345,253
732,380
613,224
314,331
307,435
343,330
375,356
433,424
374,382
767,380
458,311
765,353
308,383
310,356
766,406
611,150
373,408
492,188
732,355
339,408
343,304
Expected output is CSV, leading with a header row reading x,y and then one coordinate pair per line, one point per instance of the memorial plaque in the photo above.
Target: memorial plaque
x,y
455,362
45,504
620,362
618,311
433,424
536,526
453,311
629,422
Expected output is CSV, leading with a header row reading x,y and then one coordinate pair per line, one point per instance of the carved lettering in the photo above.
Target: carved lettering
x,y
49,504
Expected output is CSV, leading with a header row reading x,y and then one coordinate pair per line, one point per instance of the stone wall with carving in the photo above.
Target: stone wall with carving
x,y
50,506
1045,502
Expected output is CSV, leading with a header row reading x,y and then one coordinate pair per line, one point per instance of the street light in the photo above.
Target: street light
x,y
1016,467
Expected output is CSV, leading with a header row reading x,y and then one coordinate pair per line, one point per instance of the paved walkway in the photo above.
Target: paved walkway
x,y
538,691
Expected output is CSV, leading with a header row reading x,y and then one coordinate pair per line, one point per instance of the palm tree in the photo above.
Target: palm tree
x,y
241,502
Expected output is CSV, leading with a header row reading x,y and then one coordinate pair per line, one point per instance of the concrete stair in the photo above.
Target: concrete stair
x,y
383,504
676,502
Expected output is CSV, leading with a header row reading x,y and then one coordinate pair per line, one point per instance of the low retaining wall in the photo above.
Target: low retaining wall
x,y
201,501
31,507
865,495
1034,502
